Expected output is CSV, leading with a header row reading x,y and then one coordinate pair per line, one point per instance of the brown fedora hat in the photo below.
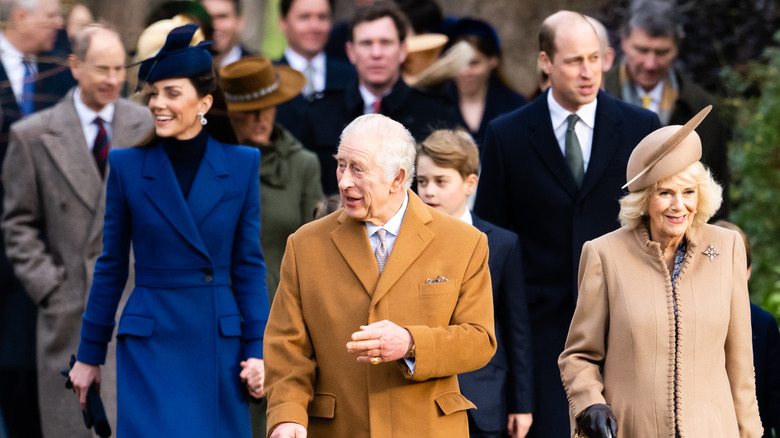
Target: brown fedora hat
x,y
664,152
254,83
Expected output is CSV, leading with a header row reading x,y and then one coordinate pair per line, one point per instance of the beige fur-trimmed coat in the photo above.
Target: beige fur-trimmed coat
x,y
621,344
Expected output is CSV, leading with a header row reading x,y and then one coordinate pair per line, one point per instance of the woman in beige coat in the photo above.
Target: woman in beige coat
x,y
660,341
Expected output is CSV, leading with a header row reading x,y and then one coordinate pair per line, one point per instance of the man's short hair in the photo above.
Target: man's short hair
x,y
7,7
397,147
657,18
377,10
82,39
285,5
547,39
451,149
236,6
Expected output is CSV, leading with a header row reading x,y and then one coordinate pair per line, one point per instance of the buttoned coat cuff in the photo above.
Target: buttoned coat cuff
x,y
287,413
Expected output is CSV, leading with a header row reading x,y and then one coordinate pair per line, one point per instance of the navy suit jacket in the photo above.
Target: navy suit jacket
x,y
766,359
505,384
419,111
527,187
290,114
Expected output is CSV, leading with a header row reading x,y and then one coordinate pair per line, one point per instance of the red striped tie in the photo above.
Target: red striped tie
x,y
100,148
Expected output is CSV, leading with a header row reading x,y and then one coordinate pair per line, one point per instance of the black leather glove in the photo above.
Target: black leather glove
x,y
598,421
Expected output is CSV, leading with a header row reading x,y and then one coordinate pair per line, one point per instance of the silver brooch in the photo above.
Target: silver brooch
x,y
711,252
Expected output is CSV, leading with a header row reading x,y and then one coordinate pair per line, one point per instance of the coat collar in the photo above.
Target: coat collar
x,y
207,189
653,249
351,240
65,142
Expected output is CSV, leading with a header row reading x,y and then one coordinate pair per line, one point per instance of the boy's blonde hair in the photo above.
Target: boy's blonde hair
x,y
451,150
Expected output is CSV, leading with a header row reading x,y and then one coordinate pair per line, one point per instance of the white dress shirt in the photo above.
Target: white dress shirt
x,y
393,226
87,118
299,63
369,98
13,63
232,56
583,128
466,217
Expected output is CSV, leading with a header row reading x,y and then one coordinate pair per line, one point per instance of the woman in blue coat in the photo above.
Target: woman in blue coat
x,y
190,338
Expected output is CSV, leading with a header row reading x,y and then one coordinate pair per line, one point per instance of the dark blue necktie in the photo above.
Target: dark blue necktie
x,y
101,147
26,103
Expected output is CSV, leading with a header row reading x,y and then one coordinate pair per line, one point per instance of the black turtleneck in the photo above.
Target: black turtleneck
x,y
185,156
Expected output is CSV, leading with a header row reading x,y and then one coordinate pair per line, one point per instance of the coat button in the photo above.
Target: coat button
x,y
209,275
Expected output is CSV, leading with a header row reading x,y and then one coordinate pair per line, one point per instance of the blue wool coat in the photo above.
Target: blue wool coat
x,y
200,303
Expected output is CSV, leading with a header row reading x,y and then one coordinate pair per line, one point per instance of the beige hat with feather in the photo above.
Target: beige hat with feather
x,y
664,152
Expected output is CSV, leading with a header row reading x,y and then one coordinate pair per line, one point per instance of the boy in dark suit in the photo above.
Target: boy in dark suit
x,y
447,167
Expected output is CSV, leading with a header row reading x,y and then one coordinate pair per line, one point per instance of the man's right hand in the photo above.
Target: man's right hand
x,y
289,430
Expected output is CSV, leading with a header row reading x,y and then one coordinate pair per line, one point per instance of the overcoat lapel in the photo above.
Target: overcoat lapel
x,y
606,138
164,192
64,140
351,240
208,186
542,139
412,240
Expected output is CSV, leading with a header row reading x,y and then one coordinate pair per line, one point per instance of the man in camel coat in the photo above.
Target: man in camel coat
x,y
369,345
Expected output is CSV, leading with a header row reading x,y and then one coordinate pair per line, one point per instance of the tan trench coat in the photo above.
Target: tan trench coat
x,y
330,285
621,344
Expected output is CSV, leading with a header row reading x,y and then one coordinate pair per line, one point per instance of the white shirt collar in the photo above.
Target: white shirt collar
x,y
299,62
656,94
231,56
318,63
12,60
8,49
87,118
369,98
558,114
466,217
393,226
86,114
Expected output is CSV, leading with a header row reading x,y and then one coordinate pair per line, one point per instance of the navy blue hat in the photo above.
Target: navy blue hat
x,y
479,28
177,59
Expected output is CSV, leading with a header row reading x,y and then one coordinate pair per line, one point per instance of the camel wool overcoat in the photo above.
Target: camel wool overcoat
x,y
642,346
436,284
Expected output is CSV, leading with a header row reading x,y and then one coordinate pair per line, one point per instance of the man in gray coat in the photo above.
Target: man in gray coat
x,y
54,175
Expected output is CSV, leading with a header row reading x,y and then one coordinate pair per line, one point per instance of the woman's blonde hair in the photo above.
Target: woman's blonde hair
x,y
634,206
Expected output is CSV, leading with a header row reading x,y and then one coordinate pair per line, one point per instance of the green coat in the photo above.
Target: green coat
x,y
289,191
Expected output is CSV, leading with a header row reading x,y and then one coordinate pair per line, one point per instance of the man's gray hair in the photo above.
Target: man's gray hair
x,y
656,17
397,148
7,8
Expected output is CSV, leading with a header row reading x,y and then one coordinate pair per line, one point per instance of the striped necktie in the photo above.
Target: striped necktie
x,y
101,147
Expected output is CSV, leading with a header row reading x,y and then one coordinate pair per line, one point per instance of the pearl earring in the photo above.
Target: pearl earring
x,y
202,118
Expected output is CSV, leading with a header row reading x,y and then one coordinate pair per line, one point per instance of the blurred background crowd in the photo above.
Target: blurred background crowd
x,y
469,61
